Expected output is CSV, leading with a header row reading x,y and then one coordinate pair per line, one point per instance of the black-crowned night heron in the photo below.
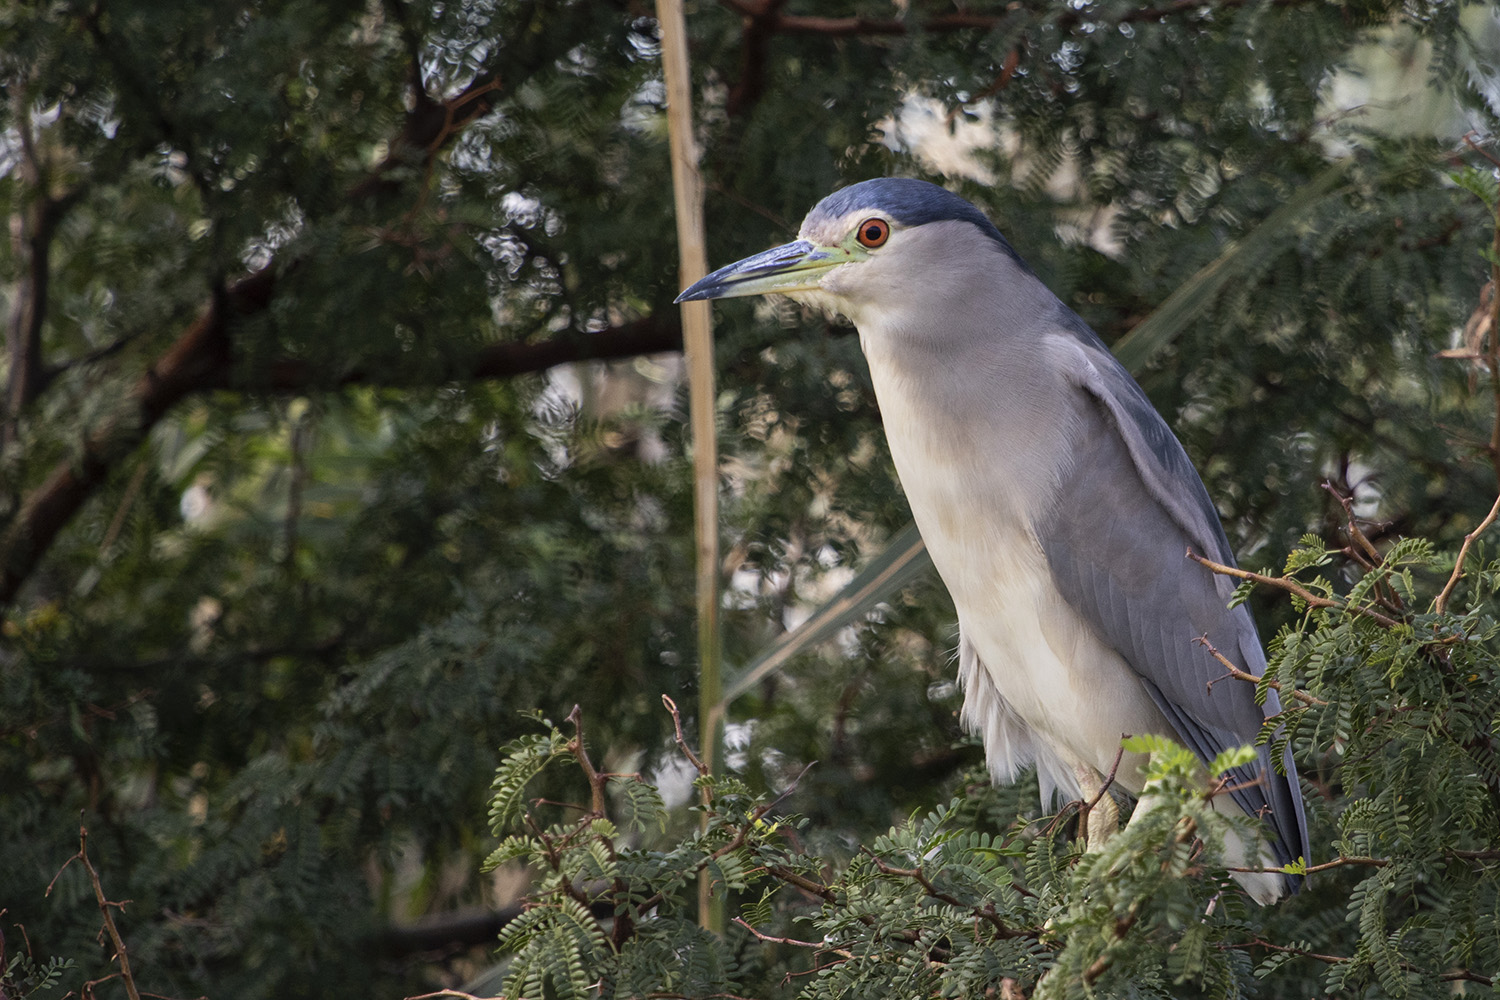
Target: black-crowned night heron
x,y
1056,504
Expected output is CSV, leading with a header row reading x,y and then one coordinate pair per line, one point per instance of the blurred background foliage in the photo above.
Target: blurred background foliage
x,y
344,425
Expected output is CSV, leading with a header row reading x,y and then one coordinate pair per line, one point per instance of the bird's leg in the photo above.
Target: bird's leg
x,y
1100,821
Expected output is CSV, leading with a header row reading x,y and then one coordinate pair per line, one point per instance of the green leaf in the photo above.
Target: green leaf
x,y
524,758
1232,758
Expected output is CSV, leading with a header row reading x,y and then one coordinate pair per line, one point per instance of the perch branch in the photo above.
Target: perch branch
x,y
1293,587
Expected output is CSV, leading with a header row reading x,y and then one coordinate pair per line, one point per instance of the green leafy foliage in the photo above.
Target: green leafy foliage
x,y
306,499
23,978
1398,718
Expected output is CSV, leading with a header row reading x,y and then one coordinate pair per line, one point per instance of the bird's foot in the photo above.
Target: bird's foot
x,y
1101,814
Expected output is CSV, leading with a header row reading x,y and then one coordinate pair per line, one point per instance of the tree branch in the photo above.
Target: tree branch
x,y
1463,553
767,18
986,912
649,335
105,903
764,19
201,358
1245,675
198,360
32,228
1293,587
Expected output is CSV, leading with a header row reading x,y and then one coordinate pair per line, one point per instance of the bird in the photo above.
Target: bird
x,y
1055,502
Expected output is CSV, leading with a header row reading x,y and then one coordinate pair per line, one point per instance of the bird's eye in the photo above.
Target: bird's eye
x,y
873,233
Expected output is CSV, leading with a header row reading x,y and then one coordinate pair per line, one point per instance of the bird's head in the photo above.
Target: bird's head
x,y
875,248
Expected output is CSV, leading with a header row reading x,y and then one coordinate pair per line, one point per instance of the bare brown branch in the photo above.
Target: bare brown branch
x,y
1293,587
1339,862
580,753
1364,552
1245,675
197,361
105,905
1262,943
816,945
1441,604
200,361
1491,349
32,228
764,19
682,743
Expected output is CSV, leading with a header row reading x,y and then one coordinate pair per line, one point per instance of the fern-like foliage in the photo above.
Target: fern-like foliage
x,y
1393,711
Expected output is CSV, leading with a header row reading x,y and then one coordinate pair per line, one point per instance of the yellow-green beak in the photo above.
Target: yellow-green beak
x,y
795,267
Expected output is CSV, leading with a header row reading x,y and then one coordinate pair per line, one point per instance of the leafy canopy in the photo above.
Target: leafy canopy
x,y
341,431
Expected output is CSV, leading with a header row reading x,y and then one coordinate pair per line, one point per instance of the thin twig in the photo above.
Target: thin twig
x,y
769,939
1007,72
121,952
1494,332
1469,141
1225,785
1364,552
1463,553
1245,675
1338,862
1261,942
137,479
596,780
986,912
1293,587
761,810
682,743
1355,534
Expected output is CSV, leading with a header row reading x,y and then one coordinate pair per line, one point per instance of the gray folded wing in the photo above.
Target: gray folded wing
x,y
1130,506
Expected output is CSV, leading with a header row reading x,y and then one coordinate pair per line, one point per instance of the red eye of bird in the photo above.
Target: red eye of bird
x,y
873,233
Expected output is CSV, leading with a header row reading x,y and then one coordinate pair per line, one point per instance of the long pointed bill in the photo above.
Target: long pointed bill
x,y
795,267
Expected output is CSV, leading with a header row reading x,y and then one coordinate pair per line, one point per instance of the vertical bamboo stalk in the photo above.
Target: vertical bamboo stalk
x,y
697,338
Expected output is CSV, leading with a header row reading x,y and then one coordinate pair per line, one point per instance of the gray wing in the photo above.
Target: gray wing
x,y
1131,505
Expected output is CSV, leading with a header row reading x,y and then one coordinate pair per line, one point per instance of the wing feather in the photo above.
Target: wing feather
x,y
1128,574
